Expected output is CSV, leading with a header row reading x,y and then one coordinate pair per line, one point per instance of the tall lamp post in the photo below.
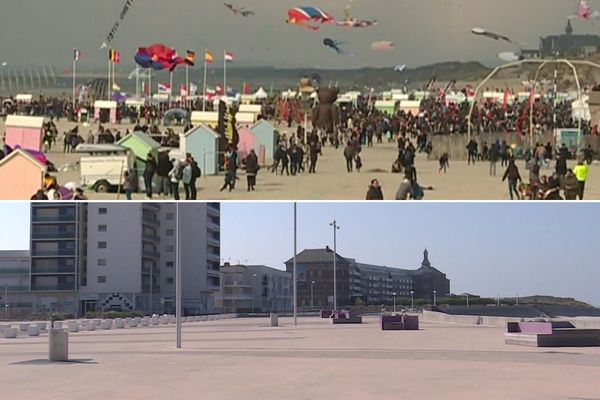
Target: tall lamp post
x,y
412,300
335,228
434,298
312,294
394,294
517,297
295,283
178,276
467,294
253,284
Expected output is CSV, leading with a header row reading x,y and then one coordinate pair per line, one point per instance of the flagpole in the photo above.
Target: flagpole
x,y
170,86
204,83
112,87
150,84
108,86
225,72
187,84
74,67
137,81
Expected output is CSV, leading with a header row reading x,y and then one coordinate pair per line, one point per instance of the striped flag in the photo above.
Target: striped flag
x,y
190,58
114,56
164,88
229,57
76,54
208,57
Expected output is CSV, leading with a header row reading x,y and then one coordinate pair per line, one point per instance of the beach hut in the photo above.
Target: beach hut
x,y
245,119
410,106
21,175
27,132
247,142
140,144
384,106
105,111
255,109
204,118
266,140
203,144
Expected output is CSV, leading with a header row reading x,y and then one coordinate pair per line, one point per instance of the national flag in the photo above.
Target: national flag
x,y
469,91
506,98
114,56
430,84
219,90
190,58
183,91
145,87
229,57
246,89
211,91
164,88
76,54
193,89
209,57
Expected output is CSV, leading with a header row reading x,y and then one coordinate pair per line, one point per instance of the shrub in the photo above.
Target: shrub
x,y
114,314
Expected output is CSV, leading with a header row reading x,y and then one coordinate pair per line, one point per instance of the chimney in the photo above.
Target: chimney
x,y
327,248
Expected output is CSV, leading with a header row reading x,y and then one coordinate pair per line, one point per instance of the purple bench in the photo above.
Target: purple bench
x,y
346,318
326,313
550,334
399,323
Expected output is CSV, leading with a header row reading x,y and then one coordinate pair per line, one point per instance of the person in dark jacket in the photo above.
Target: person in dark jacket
x,y
314,151
252,168
513,176
349,156
149,171
196,173
374,192
494,156
164,166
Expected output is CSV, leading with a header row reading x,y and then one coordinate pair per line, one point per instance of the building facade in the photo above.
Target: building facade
x,y
120,256
254,288
372,284
14,281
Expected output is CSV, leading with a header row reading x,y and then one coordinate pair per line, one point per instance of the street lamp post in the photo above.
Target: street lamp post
x,y
498,299
434,298
253,284
394,294
517,297
295,287
6,301
412,300
312,294
335,228
178,276
467,299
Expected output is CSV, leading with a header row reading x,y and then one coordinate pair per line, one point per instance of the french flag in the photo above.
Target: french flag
x,y
229,57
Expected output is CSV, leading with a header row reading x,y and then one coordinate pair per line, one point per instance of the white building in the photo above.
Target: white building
x,y
121,256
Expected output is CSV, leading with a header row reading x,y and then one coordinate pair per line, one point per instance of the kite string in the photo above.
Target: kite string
x,y
122,15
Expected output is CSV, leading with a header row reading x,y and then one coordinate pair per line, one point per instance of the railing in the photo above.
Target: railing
x,y
70,253
213,241
7,271
154,238
213,226
151,254
236,296
53,218
53,288
53,270
14,288
57,235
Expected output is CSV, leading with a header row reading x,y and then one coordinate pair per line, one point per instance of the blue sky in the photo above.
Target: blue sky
x,y
484,248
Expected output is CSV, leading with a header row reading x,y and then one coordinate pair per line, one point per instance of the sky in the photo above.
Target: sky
x,y
38,32
484,248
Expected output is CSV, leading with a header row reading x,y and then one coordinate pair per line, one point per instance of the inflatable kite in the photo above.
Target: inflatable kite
x,y
383,46
158,57
491,35
585,12
308,17
326,114
350,22
333,44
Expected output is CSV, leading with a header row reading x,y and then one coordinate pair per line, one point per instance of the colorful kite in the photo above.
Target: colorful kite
x,y
242,11
308,17
585,12
158,57
491,35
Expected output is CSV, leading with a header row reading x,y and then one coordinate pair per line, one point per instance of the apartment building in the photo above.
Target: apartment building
x,y
14,280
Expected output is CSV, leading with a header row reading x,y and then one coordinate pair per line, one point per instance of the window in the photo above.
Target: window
x,y
101,245
169,281
102,211
101,228
169,264
102,279
101,262
170,216
169,232
169,248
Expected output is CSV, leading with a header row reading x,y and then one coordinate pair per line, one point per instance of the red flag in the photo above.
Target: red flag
x,y
506,97
246,89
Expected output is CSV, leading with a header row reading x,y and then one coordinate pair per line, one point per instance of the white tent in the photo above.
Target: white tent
x,y
581,109
260,94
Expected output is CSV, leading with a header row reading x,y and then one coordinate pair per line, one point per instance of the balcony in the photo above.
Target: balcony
x,y
14,271
53,218
213,272
58,269
150,254
236,296
212,226
213,241
214,288
150,220
213,257
53,253
54,288
152,238
55,235
236,285
16,288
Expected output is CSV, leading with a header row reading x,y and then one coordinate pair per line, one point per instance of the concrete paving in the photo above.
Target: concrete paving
x,y
247,359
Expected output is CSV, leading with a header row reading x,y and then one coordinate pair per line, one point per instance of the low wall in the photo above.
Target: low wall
x,y
432,316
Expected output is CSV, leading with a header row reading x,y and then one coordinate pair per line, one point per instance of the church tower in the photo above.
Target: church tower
x,y
426,262
569,28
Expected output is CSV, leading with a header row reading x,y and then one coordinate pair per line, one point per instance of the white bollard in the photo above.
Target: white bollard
x,y
33,330
3,326
73,326
91,326
164,320
145,322
58,345
132,323
57,325
274,320
23,327
154,320
106,324
138,320
41,326
9,333
119,323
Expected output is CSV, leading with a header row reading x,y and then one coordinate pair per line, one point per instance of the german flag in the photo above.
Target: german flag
x,y
114,56
190,58
209,57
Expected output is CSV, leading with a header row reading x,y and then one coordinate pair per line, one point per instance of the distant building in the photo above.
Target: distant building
x,y
569,45
254,288
373,284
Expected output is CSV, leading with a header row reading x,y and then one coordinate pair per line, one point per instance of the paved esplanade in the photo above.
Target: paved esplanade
x,y
247,359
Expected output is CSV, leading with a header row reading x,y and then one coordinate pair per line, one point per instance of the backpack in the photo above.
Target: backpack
x,y
196,172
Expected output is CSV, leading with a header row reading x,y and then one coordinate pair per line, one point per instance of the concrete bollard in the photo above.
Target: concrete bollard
x,y
73,326
171,319
145,322
154,320
23,327
41,326
132,323
9,333
106,324
57,325
274,320
91,326
3,326
204,318
58,345
97,322
163,320
119,323
138,320
33,330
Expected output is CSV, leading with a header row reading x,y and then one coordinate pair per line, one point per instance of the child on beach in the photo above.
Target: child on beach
x,y
444,163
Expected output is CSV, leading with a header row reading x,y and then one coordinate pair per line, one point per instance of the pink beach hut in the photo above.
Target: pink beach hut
x,y
21,175
247,142
23,131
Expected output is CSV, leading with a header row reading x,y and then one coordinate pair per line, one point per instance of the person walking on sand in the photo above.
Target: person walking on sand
x,y
444,165
513,176
252,168
581,171
374,192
